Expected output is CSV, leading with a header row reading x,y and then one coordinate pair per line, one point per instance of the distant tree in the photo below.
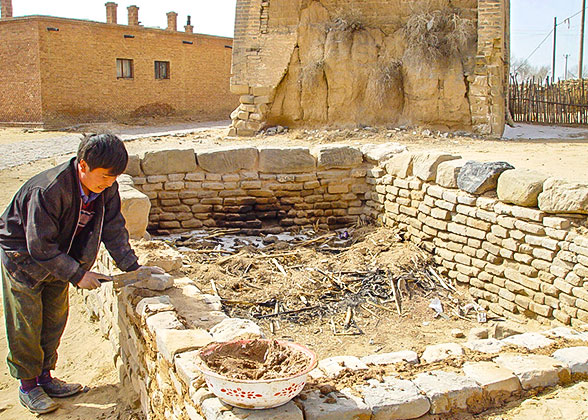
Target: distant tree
x,y
523,71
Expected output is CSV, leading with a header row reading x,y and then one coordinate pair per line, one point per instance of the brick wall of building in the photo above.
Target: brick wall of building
x,y
79,75
20,83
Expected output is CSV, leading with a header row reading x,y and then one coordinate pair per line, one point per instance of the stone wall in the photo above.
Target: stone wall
x,y
348,62
255,189
515,238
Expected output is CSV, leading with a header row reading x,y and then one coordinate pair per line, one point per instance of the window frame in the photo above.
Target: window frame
x,y
120,66
157,67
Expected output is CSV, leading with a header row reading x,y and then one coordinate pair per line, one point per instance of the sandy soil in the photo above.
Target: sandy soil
x,y
85,355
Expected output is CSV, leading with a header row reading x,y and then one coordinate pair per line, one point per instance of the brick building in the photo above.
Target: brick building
x,y
58,71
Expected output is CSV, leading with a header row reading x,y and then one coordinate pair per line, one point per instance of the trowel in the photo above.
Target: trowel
x,y
126,279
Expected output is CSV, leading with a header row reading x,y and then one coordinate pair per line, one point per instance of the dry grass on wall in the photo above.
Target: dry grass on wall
x,y
437,36
385,83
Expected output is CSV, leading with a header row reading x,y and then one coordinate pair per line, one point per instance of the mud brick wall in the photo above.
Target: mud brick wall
x,y
75,77
253,189
529,259
307,63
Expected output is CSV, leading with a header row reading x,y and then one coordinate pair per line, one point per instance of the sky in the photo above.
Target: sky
x,y
214,17
531,22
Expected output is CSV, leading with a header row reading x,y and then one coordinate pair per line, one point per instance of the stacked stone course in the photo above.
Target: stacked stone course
x,y
252,189
515,260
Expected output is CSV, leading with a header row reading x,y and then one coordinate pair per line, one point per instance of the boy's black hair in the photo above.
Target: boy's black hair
x,y
104,151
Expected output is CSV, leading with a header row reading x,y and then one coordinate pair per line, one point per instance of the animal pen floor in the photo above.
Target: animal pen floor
x,y
331,291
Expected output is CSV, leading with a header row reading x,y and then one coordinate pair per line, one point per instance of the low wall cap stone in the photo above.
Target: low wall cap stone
x,y
520,187
376,153
134,206
169,162
226,160
400,165
479,177
560,196
337,156
285,159
424,164
134,166
448,171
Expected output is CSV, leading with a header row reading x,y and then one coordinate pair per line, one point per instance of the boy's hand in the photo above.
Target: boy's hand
x,y
90,281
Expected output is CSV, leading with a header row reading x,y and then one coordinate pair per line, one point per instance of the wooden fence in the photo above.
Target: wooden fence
x,y
564,102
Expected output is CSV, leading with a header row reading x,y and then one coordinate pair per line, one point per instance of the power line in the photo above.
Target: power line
x,y
545,39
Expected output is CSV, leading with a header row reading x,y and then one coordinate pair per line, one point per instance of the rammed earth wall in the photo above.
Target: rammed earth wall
x,y
529,260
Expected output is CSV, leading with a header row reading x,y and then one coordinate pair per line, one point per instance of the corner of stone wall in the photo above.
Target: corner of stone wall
x,y
250,115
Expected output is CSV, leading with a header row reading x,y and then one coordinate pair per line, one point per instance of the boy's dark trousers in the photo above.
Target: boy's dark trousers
x,y
35,320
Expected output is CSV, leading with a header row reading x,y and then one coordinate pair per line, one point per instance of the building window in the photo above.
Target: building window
x,y
162,69
124,68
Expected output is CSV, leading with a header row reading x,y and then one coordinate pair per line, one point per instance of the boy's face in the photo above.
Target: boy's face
x,y
96,180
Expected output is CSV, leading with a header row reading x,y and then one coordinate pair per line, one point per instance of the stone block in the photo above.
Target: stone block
x,y
163,320
530,341
560,196
448,171
152,305
156,282
164,162
135,207
534,371
478,177
394,399
285,160
186,367
498,383
408,356
172,342
400,165
166,258
214,409
520,187
332,366
576,358
333,406
376,153
234,329
438,352
134,166
226,160
448,391
489,345
424,164
337,156
567,333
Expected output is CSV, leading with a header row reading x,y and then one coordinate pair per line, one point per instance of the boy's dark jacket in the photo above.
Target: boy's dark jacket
x,y
37,229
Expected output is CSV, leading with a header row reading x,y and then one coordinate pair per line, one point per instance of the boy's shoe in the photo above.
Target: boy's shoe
x,y
58,388
37,401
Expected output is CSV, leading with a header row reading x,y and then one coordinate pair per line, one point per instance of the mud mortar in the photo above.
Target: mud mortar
x,y
256,360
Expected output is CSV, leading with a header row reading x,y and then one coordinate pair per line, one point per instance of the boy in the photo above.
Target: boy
x,y
49,237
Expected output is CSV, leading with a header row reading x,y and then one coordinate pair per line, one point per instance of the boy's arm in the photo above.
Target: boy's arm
x,y
114,233
42,229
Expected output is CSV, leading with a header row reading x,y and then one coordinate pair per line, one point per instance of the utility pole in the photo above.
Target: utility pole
x,y
554,38
582,40
566,71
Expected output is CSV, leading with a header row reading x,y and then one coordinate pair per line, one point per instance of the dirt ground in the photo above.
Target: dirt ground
x,y
85,355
